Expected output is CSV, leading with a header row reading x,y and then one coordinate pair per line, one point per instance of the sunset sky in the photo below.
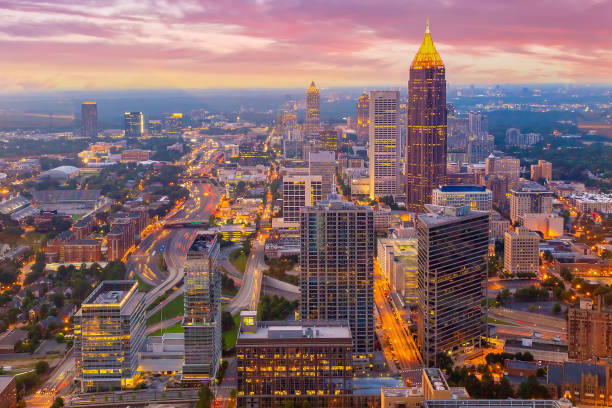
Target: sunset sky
x,y
139,44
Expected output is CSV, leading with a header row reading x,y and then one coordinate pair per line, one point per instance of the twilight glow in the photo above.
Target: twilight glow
x,y
109,44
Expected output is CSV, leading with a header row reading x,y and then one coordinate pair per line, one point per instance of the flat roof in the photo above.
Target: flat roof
x,y
110,292
462,189
436,378
446,214
298,330
203,241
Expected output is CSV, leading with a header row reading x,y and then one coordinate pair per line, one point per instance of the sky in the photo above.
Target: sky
x,y
185,44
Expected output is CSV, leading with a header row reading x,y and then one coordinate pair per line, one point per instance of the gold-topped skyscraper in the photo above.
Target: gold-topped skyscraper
x,y
426,123
313,112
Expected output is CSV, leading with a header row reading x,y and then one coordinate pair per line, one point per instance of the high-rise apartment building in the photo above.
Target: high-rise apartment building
x,y
426,122
293,363
529,198
363,118
383,145
134,124
89,119
521,251
477,197
542,170
589,331
397,258
202,302
299,191
323,164
452,277
477,123
109,331
313,112
336,262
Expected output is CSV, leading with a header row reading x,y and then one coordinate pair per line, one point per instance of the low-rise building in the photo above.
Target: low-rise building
x,y
549,351
592,202
8,391
589,333
588,384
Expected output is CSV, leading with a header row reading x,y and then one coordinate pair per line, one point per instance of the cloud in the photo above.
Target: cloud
x,y
242,43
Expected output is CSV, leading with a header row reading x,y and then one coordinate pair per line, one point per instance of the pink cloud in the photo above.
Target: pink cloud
x,y
287,42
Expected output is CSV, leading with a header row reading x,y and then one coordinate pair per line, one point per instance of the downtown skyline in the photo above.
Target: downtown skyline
x,y
201,44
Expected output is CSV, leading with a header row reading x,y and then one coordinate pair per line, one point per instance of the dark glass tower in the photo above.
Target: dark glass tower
x,y
89,118
426,144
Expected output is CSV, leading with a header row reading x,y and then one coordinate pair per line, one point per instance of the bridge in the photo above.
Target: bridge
x,y
186,224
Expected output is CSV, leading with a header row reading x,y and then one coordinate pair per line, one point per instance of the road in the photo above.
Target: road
x,y
58,384
247,297
396,341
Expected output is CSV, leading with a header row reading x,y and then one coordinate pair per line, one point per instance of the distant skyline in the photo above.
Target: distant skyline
x,y
185,44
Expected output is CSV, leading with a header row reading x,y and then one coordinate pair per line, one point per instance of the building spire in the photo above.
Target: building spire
x,y
427,26
427,56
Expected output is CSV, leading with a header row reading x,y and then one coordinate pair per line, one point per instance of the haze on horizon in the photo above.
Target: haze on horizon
x,y
191,44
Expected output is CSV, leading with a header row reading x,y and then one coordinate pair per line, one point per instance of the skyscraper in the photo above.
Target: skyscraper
x,y
426,123
323,164
363,118
328,139
299,191
202,303
134,124
452,277
109,331
313,111
337,261
384,140
89,118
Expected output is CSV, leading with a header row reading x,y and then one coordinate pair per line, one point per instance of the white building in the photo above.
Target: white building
x,y
383,146
299,191
477,197
397,258
521,251
550,225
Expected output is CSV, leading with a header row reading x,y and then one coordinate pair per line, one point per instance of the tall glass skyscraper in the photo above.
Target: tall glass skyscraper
x,y
134,124
89,119
202,319
384,141
313,112
453,247
337,263
426,123
363,118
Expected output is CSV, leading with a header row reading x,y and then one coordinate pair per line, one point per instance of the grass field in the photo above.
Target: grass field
x,y
229,337
492,320
142,285
177,328
172,309
238,259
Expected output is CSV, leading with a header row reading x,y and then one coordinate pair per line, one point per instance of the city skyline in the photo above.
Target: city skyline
x,y
158,46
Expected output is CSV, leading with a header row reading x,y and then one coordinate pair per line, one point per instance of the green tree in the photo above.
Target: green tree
x,y
444,361
205,397
532,389
556,308
58,403
42,367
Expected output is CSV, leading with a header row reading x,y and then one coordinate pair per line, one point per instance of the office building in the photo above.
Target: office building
x,y
529,198
299,191
589,331
89,119
336,263
328,140
363,118
173,123
397,258
498,226
383,146
134,124
549,225
135,155
426,137
541,171
452,277
202,303
477,197
8,391
292,362
323,164
521,251
313,112
109,331
505,168
155,127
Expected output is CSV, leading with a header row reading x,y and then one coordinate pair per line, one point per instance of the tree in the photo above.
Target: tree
x,y
532,389
42,367
227,321
556,308
444,361
205,397
58,403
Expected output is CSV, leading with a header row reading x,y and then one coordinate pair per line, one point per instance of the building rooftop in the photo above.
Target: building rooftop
x,y
111,293
297,330
529,186
203,242
462,189
592,197
439,215
322,156
436,378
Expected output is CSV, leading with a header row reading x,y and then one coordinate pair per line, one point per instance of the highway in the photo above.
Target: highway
x,y
247,297
58,384
396,341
